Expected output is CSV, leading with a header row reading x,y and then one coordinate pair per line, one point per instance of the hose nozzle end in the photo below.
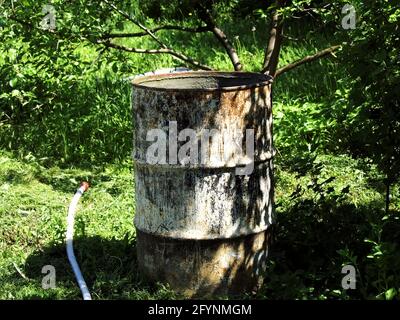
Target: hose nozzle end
x,y
85,185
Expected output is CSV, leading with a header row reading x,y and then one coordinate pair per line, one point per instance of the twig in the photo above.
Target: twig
x,y
178,55
154,30
141,26
109,44
164,48
307,59
31,26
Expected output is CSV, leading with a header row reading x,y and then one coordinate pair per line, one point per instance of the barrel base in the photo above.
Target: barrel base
x,y
204,268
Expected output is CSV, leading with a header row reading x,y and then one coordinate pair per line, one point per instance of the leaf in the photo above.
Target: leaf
x,y
13,82
115,67
390,294
119,25
15,93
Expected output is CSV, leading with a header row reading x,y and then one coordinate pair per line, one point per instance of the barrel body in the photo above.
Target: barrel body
x,y
203,180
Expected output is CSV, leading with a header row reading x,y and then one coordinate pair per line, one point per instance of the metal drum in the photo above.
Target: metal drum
x,y
203,180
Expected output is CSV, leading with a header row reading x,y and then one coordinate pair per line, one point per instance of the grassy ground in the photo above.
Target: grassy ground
x,y
33,203
316,219
329,207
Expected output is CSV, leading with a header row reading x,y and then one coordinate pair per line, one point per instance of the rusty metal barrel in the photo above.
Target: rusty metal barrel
x,y
204,189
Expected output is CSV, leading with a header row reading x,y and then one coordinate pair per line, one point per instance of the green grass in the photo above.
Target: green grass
x,y
33,204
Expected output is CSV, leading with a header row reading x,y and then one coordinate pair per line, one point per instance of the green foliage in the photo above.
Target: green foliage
x,y
372,59
332,218
66,99
73,115
55,108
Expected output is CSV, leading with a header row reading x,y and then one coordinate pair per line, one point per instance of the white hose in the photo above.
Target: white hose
x,y
70,234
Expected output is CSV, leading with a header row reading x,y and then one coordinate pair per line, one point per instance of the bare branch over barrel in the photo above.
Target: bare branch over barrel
x,y
169,51
307,59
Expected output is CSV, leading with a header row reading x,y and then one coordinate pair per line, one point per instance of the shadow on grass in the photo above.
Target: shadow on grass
x,y
108,266
315,238
305,262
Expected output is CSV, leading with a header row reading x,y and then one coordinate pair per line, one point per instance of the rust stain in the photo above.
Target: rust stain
x,y
205,268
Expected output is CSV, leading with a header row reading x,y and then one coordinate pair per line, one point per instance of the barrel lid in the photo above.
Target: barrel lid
x,y
203,81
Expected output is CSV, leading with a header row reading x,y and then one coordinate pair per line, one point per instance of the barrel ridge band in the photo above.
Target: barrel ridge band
x,y
264,157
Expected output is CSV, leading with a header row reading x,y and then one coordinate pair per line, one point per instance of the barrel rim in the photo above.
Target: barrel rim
x,y
138,82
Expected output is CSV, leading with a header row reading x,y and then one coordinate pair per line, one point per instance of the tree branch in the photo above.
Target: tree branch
x,y
141,26
222,38
55,33
107,43
271,57
307,59
178,55
165,48
154,30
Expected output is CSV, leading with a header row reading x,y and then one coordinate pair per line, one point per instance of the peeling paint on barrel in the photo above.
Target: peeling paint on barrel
x,y
201,228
